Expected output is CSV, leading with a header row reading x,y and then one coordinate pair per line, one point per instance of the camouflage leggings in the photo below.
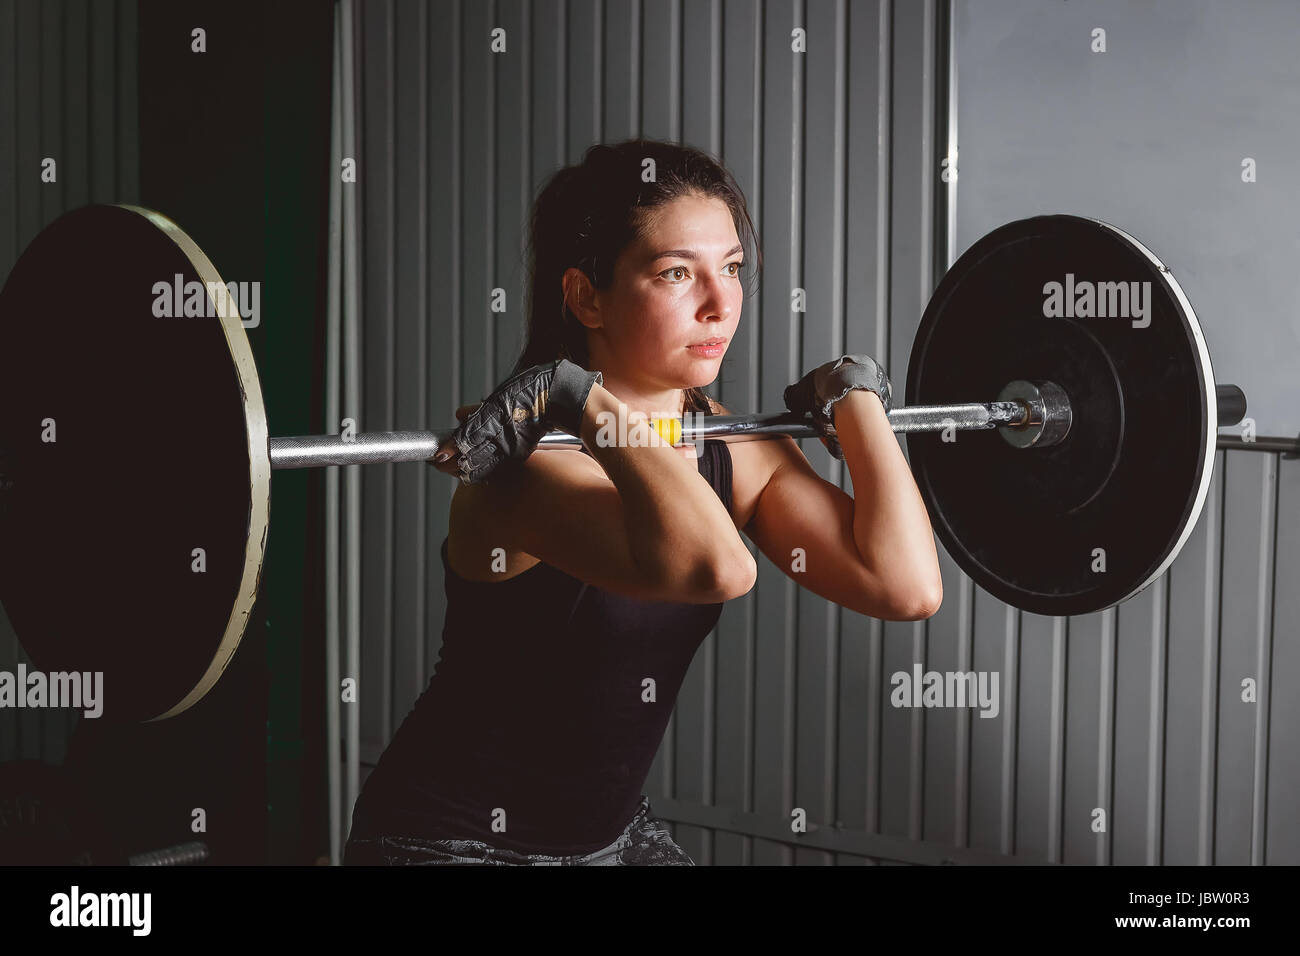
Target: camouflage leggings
x,y
645,841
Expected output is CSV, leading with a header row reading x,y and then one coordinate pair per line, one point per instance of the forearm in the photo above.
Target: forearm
x,y
678,530
890,524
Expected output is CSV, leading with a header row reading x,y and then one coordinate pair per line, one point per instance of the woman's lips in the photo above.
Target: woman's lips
x,y
711,350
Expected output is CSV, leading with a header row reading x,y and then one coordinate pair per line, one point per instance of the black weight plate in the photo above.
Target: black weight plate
x,y
161,449
1126,485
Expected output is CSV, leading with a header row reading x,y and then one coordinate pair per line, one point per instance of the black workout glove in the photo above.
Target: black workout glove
x,y
817,392
511,421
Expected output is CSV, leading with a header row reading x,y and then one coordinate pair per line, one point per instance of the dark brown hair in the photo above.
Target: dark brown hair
x,y
588,214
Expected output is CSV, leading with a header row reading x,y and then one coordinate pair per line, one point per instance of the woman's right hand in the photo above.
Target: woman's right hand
x,y
449,464
508,424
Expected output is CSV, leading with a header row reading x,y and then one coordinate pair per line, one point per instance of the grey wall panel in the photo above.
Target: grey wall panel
x,y
1039,722
478,147
1195,594
620,59
585,64
378,200
657,68
514,186
1282,839
68,91
106,136
411,52
1134,713
1088,699
125,78
8,135
991,761
548,63
443,321
49,125
1250,481
440,275
76,124
27,102
1137,727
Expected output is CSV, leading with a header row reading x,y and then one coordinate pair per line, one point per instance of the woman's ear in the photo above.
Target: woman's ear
x,y
580,297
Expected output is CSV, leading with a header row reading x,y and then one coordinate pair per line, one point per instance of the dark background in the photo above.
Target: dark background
x,y
233,145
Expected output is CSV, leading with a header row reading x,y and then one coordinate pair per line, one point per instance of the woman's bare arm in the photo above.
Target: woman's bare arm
x,y
655,530
873,552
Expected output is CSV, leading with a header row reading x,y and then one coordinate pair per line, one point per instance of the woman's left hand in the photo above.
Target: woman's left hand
x,y
817,392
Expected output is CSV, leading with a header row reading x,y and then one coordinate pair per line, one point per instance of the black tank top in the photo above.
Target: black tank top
x,y
541,711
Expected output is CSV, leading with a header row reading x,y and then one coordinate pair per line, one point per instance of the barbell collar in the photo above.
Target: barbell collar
x,y
1049,415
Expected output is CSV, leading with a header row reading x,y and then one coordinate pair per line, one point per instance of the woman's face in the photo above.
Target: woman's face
x,y
678,286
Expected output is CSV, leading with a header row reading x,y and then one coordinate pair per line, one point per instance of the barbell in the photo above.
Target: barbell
x,y
135,460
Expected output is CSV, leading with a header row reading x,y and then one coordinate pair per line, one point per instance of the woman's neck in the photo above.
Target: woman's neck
x,y
652,402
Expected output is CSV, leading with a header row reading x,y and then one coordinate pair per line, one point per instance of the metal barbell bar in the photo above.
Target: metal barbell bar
x,y
1030,414
310,451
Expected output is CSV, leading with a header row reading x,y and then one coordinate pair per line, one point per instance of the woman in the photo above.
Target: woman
x,y
581,582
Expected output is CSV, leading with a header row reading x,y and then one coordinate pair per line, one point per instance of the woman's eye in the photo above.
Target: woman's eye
x,y
675,269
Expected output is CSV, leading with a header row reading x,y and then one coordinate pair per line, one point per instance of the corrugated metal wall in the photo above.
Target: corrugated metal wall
x,y
1161,736
68,92
1136,710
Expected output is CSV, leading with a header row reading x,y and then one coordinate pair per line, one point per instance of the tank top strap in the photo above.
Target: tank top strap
x,y
715,467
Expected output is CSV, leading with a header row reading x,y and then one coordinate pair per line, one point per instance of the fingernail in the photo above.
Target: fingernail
x,y
442,456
